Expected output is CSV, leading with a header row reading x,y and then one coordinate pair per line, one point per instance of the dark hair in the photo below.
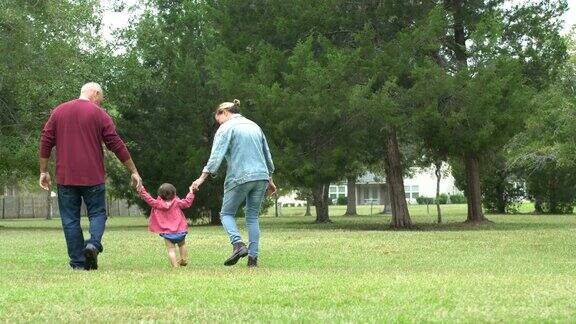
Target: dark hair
x,y
167,191
233,107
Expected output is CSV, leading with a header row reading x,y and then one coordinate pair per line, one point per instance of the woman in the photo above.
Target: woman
x,y
248,176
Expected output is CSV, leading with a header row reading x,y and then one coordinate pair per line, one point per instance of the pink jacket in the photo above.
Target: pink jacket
x,y
167,216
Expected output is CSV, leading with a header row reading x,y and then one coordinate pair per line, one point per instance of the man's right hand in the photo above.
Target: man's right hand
x,y
136,181
45,182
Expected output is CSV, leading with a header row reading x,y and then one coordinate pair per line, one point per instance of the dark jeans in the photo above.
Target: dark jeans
x,y
70,201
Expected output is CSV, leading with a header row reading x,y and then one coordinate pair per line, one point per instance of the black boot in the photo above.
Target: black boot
x,y
252,262
239,251
91,254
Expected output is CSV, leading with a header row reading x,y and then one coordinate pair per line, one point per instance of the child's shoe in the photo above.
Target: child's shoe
x,y
183,262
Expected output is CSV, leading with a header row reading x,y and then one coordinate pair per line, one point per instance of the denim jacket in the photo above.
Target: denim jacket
x,y
244,146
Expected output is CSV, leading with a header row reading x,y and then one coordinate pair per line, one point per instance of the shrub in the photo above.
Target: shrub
x,y
443,199
458,199
425,200
342,201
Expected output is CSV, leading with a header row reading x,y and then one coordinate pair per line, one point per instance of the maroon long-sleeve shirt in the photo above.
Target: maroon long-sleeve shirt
x,y
78,128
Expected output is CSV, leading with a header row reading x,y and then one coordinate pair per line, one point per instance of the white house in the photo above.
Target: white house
x,y
423,184
371,188
291,200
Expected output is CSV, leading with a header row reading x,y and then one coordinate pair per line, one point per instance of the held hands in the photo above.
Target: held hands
x,y
45,182
196,184
136,181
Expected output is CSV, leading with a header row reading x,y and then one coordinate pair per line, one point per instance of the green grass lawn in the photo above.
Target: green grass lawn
x,y
518,269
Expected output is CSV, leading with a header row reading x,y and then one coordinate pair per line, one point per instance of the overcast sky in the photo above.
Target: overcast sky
x,y
114,20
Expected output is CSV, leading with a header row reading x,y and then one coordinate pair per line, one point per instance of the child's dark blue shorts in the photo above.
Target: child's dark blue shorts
x,y
174,237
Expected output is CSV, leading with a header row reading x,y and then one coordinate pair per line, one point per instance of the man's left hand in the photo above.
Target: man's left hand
x,y
45,182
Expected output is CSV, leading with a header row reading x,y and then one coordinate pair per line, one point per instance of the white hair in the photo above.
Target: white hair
x,y
90,86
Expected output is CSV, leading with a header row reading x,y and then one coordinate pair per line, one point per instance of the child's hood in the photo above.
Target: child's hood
x,y
165,205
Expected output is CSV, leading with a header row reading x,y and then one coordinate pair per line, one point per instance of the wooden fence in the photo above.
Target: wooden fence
x,y
33,206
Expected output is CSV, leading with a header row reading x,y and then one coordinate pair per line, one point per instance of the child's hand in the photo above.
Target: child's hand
x,y
191,188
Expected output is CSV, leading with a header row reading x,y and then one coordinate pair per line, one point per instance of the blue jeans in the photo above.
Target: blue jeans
x,y
70,201
253,193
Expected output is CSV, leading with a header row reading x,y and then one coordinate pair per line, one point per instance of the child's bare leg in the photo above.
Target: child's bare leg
x,y
171,253
183,253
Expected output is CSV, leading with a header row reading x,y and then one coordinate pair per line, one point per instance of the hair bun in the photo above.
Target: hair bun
x,y
236,102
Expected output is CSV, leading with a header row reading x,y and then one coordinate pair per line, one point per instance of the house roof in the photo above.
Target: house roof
x,y
370,178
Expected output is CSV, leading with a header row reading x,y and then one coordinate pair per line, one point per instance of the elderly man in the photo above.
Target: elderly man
x,y
78,128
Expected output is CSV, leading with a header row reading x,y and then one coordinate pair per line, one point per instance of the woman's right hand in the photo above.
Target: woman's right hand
x,y
271,187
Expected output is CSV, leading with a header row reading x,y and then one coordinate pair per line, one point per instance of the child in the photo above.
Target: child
x,y
168,220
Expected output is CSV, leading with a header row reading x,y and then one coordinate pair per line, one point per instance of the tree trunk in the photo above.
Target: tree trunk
x,y
276,212
108,201
438,178
215,213
552,203
320,194
308,204
215,217
18,206
351,203
538,209
33,203
395,180
386,208
473,192
501,208
459,33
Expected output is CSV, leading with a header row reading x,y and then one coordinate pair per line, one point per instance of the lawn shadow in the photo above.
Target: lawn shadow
x,y
492,226
417,227
109,228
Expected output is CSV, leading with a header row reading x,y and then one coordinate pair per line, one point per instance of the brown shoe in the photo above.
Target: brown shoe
x,y
183,262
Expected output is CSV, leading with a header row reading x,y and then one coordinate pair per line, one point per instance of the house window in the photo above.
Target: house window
x,y
374,192
371,194
411,192
337,191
